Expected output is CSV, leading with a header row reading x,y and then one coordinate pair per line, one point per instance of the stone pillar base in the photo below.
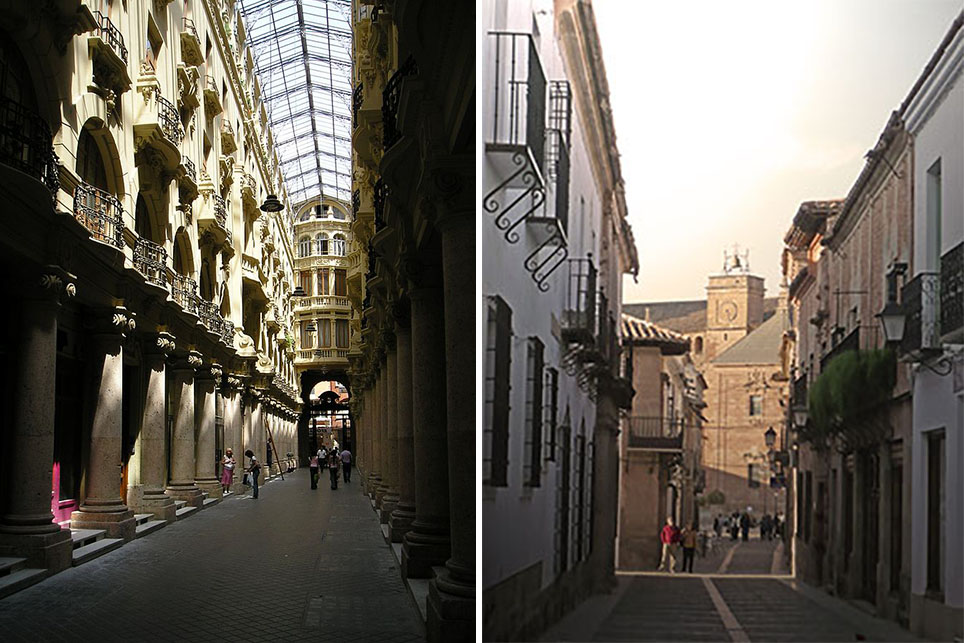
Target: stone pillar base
x,y
389,503
117,524
140,501
422,551
211,486
371,484
52,551
189,493
450,617
380,492
400,521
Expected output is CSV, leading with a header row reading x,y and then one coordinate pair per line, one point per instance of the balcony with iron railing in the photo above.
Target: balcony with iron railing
x,y
184,293
190,43
952,295
655,433
357,98
321,302
355,204
379,193
109,55
851,342
228,142
227,333
579,312
212,98
158,125
391,96
101,213
26,144
920,301
150,260
321,356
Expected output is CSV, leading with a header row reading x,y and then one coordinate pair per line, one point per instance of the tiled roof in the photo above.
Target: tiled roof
x,y
684,316
640,332
762,346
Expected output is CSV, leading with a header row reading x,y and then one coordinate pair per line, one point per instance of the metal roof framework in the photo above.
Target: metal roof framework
x,y
302,56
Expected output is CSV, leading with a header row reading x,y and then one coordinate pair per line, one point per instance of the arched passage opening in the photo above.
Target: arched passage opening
x,y
325,414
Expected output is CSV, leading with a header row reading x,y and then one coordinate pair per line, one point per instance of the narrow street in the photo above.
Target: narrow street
x,y
232,572
738,593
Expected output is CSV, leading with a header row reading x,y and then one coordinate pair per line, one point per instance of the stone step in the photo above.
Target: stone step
x,y
184,512
84,537
97,548
179,503
150,526
210,501
9,564
140,519
20,579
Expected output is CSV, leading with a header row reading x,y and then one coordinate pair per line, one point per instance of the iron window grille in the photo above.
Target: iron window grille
x,y
101,213
150,259
26,144
355,203
390,99
551,406
534,412
495,462
563,499
952,290
357,97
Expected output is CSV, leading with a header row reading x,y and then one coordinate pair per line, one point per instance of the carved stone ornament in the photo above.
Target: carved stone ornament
x,y
234,383
194,359
216,373
165,343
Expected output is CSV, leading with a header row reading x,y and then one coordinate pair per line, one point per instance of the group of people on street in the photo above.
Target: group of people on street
x,y
740,523
333,460
672,538
251,473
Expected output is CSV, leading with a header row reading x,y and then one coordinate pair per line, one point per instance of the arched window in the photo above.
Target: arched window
x,y
698,345
304,246
338,245
322,241
90,163
338,214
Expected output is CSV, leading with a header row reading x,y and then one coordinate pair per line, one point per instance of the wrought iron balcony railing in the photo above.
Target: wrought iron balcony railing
x,y
952,293
655,433
211,85
579,314
607,336
557,166
390,98
150,260
800,390
357,97
849,343
111,35
227,333
184,291
26,144
188,26
168,119
378,201
920,299
355,203
101,213
518,94
189,170
220,211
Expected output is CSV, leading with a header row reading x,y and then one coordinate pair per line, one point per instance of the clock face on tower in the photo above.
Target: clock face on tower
x,y
727,311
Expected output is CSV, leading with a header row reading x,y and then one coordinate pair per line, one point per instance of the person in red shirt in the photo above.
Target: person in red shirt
x,y
669,536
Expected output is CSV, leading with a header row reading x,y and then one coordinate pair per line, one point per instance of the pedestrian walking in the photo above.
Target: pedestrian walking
x,y
745,526
669,537
688,539
346,464
254,472
777,526
227,470
313,468
333,469
718,525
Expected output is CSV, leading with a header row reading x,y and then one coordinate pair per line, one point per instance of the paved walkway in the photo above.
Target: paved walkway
x,y
294,565
733,596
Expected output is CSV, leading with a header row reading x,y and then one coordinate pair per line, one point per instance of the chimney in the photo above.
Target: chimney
x,y
647,314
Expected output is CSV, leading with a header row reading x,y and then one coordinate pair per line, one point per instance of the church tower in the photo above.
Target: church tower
x,y
734,304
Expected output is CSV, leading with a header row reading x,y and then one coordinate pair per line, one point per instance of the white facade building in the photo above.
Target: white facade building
x,y
933,300
555,246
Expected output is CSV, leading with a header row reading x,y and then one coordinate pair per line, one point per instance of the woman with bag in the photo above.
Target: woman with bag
x,y
227,470
313,468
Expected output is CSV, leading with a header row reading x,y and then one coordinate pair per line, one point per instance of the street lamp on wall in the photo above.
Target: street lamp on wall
x,y
770,437
800,415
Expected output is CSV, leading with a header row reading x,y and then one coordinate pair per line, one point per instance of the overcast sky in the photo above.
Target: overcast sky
x,y
730,113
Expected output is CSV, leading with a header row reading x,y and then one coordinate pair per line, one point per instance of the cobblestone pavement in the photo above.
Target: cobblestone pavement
x,y
740,602
294,565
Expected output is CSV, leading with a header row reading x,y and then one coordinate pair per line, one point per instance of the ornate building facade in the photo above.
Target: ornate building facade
x,y
152,325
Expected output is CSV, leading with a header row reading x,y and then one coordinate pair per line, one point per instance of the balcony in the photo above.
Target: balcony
x,y
187,86
558,142
952,295
212,98
249,190
101,213
190,43
849,343
227,334
920,300
209,315
391,96
357,98
355,204
214,218
379,194
321,356
321,301
158,125
108,55
228,143
184,293
150,260
655,433
579,314
26,144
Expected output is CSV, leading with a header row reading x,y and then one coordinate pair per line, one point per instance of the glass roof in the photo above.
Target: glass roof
x,y
302,55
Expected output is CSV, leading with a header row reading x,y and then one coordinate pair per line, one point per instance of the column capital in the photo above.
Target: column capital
x,y
449,192
160,345
115,321
55,284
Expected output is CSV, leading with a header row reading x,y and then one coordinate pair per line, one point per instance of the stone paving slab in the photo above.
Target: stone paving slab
x,y
295,565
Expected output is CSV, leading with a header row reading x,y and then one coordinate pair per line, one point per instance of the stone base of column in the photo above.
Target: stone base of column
x,y
401,521
236,487
117,522
380,492
52,551
424,547
371,484
186,491
211,486
142,500
451,616
389,503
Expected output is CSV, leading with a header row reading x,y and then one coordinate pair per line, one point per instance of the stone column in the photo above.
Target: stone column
x,y
103,508
182,485
390,499
150,451
232,425
426,544
451,600
205,469
404,513
375,475
247,430
26,526
384,485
